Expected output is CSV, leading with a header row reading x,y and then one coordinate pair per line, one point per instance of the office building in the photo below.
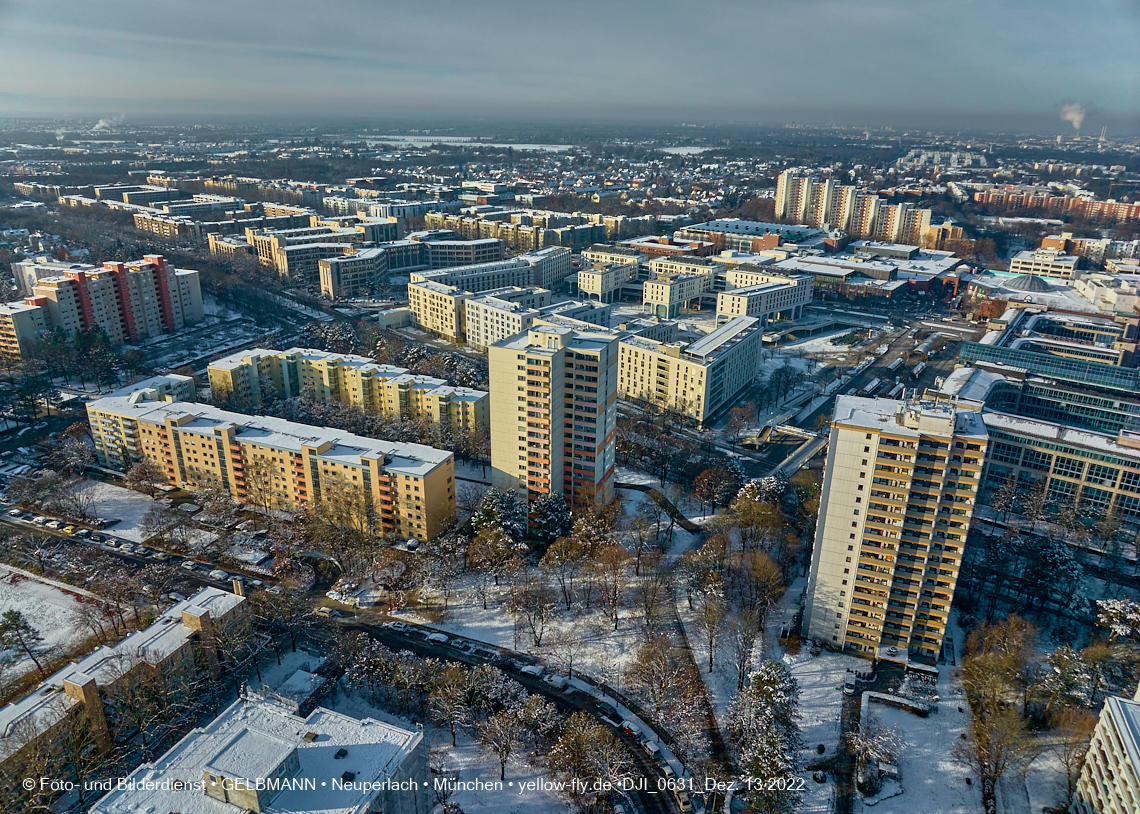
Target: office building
x,y
699,379
604,282
1045,263
253,377
602,255
258,756
390,487
353,275
554,413
899,488
751,236
495,315
767,301
479,277
179,646
1110,778
666,295
439,308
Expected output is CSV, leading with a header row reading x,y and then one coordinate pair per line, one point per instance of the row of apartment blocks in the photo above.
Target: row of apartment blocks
x,y
178,648
129,302
802,197
395,488
253,377
1045,202
530,229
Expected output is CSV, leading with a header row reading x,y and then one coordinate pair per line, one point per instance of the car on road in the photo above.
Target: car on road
x,y
127,547
606,708
684,801
15,513
68,529
666,769
631,728
323,612
437,638
54,524
532,670
399,627
161,555
219,575
40,520
187,564
849,684
458,644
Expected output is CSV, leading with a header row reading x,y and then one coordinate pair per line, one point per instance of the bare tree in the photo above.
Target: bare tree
x,y
500,733
565,646
1073,736
711,614
742,628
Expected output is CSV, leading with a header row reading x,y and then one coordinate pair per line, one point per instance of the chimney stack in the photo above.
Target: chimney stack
x,y
239,587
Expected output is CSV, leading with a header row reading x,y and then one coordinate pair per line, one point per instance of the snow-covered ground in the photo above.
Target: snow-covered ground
x,y
605,653
116,503
467,761
933,781
821,695
50,609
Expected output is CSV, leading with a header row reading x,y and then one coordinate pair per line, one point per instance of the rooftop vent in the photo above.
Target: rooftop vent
x,y
348,777
310,737
340,753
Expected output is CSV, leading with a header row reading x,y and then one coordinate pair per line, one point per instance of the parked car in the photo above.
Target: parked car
x,y
161,555
54,524
556,681
666,769
68,529
40,521
437,638
849,684
684,801
14,513
187,564
651,749
532,670
606,708
630,728
458,644
219,575
127,547
399,627
96,537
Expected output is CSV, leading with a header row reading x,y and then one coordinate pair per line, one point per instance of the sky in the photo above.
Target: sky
x,y
961,64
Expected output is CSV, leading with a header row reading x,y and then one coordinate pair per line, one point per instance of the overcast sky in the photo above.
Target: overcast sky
x,y
1008,64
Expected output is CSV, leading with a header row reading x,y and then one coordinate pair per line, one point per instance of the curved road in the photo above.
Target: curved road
x,y
648,801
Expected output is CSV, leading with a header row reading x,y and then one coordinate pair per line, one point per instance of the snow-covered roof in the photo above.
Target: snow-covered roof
x,y
249,740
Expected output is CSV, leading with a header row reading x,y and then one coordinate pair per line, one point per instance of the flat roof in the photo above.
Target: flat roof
x,y
253,734
729,333
413,459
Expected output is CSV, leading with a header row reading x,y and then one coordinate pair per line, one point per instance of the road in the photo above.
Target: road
x,y
648,801
196,578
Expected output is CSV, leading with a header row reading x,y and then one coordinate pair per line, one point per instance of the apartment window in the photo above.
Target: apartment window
x,y
848,560
851,547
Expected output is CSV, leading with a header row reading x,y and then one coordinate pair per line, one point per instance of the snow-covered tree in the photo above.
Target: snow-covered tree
x,y
874,743
551,516
1120,616
503,510
762,729
1067,681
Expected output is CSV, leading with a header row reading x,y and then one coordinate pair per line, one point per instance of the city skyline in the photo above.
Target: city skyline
x,y
349,60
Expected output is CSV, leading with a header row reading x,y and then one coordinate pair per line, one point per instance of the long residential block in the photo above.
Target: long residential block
x,y
396,488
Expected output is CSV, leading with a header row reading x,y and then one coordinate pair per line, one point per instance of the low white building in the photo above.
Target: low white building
x,y
258,756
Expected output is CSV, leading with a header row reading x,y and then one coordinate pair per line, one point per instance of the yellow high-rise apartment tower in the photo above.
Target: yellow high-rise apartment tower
x,y
554,413
898,494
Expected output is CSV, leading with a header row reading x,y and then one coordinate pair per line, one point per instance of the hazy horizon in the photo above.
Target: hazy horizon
x,y
969,66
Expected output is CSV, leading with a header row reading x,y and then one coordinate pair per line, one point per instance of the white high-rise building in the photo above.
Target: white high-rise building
x,y
898,494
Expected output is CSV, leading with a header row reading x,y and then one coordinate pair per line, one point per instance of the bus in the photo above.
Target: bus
x,y
921,366
896,390
871,386
895,365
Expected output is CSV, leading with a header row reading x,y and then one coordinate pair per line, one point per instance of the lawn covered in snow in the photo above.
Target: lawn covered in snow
x,y
50,610
116,503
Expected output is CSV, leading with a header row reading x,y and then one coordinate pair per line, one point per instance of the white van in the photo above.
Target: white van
x,y
556,681
651,749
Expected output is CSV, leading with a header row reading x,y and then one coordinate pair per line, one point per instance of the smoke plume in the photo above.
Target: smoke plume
x,y
107,124
1073,112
